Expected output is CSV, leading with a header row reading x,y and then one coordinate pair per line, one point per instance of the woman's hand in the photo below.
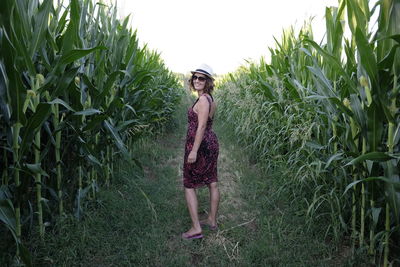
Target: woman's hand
x,y
192,157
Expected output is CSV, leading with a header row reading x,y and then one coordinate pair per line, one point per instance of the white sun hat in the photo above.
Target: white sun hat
x,y
204,69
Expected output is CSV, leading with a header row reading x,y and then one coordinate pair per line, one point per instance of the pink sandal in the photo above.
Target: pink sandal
x,y
191,237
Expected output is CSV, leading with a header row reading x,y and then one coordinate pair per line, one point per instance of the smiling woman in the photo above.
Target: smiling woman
x,y
201,152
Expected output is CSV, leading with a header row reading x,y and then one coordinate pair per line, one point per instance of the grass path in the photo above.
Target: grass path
x,y
138,221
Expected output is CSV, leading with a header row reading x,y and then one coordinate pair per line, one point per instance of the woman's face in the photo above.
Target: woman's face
x,y
199,81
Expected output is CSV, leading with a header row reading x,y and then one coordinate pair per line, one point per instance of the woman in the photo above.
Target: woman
x,y
201,152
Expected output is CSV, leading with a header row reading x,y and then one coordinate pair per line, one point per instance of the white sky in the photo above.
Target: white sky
x,y
220,33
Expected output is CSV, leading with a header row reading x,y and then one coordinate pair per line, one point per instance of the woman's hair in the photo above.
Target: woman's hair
x,y
208,87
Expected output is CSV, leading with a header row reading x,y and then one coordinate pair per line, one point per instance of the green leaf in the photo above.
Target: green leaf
x,y
325,82
93,159
329,59
4,192
386,110
337,156
95,122
367,57
76,54
62,80
110,81
61,102
12,81
61,23
356,17
88,83
314,145
335,101
36,168
4,110
375,215
42,113
373,156
358,111
20,35
40,28
388,60
369,179
395,37
7,216
88,112
71,37
375,127
268,91
126,124
80,196
116,137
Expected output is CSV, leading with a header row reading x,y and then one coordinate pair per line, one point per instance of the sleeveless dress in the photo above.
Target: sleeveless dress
x,y
204,170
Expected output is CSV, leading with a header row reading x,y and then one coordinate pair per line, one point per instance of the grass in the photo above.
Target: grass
x,y
139,219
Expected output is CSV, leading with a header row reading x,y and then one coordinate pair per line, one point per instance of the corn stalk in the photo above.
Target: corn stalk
x,y
96,84
346,90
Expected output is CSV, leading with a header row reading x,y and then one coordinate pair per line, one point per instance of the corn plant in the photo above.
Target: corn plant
x,y
75,89
344,92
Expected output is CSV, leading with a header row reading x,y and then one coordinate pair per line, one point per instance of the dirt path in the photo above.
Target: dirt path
x,y
234,215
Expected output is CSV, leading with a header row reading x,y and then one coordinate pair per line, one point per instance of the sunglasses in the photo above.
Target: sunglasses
x,y
201,79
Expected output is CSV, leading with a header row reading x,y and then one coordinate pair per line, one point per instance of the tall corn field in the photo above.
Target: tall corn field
x,y
328,115
76,90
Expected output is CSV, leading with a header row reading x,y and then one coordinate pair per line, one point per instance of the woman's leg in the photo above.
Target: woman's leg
x,y
191,200
214,202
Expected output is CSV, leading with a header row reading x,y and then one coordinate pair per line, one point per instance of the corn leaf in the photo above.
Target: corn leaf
x,y
42,113
373,156
369,179
76,54
7,216
367,58
88,112
41,22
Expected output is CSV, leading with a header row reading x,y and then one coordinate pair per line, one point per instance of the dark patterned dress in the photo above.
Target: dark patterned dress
x,y
204,170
